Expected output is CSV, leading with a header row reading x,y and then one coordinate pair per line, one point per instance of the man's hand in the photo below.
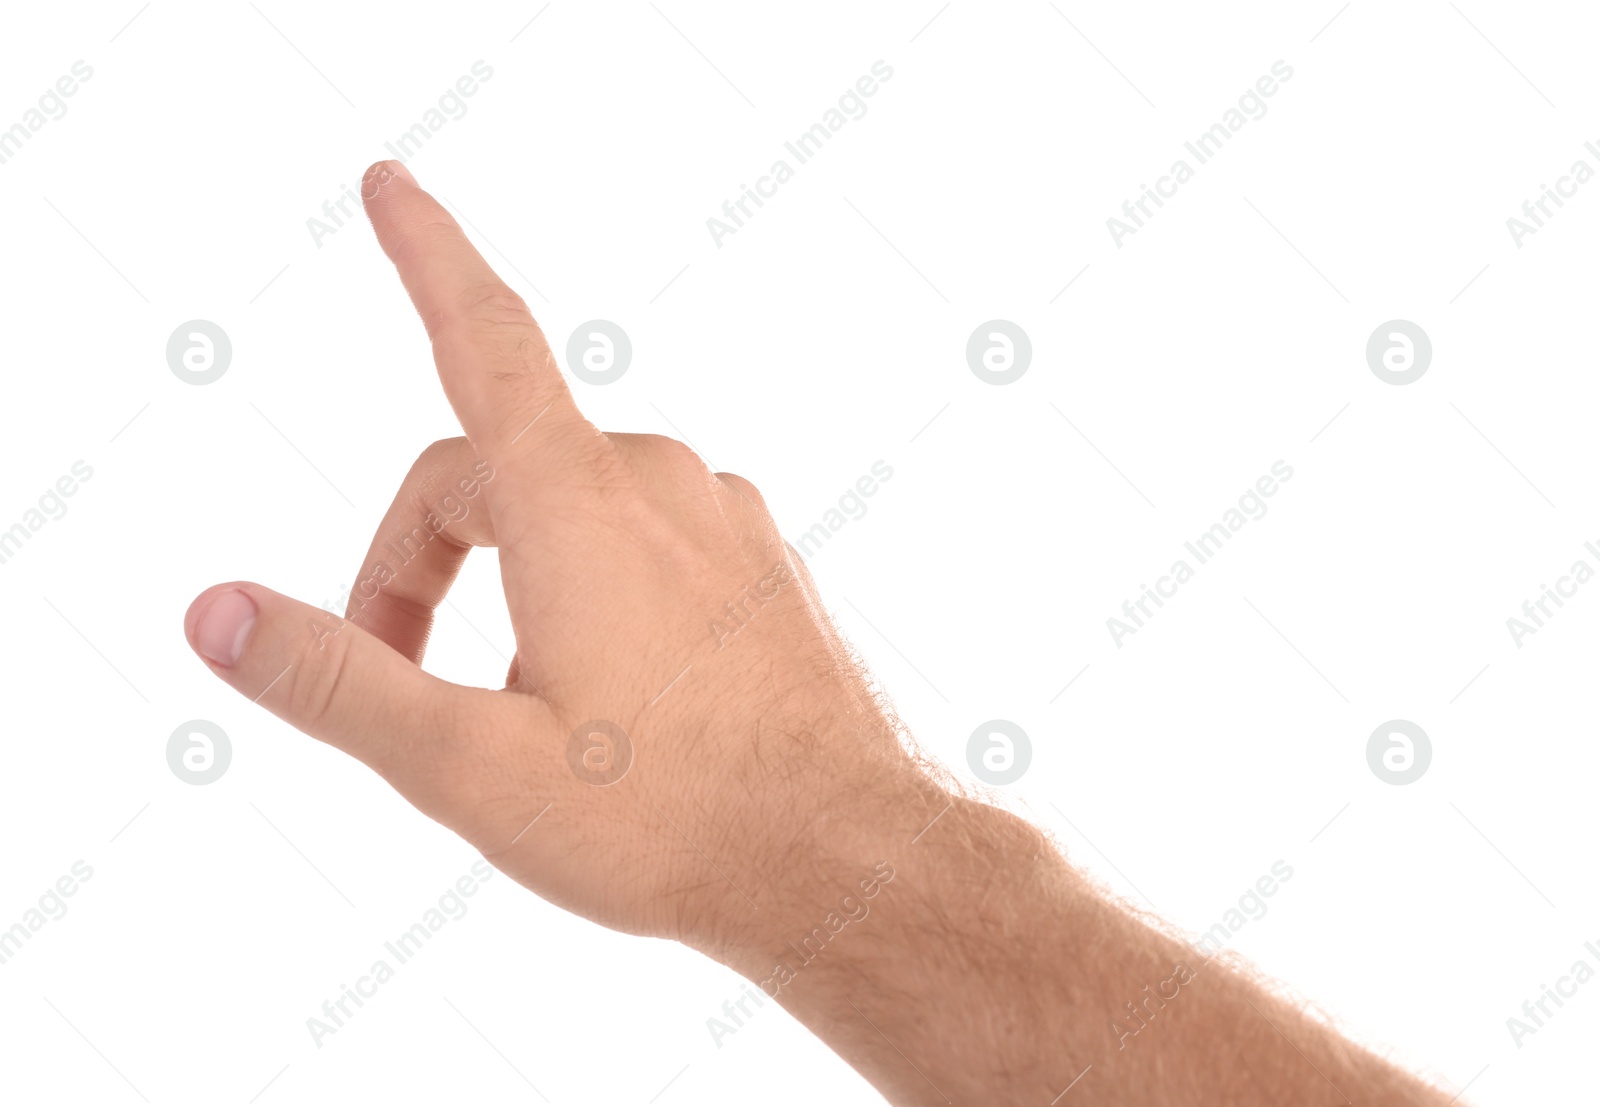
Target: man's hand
x,y
679,718
685,748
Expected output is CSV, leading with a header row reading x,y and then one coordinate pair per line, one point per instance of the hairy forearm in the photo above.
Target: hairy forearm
x,y
986,970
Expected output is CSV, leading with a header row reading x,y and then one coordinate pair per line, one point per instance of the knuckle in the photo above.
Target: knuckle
x,y
443,449
480,308
677,457
744,488
436,468
495,305
317,681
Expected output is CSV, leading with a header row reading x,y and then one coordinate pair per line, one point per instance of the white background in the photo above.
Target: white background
x,y
827,334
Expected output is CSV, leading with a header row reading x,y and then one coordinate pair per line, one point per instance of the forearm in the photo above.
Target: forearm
x,y
987,970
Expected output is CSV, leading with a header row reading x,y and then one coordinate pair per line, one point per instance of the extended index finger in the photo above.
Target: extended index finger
x,y
493,360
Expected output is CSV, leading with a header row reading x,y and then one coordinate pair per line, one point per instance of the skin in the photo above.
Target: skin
x,y
769,807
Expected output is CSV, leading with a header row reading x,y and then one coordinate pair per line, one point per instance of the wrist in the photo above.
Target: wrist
x,y
826,868
918,915
872,872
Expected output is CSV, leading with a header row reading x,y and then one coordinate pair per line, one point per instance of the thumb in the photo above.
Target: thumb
x,y
325,676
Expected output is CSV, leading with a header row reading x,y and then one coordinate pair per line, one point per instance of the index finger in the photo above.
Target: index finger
x,y
493,360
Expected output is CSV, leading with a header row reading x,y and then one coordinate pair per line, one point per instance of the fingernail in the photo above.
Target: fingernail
x,y
224,627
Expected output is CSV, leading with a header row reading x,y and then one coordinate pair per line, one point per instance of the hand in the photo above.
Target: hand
x,y
680,716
